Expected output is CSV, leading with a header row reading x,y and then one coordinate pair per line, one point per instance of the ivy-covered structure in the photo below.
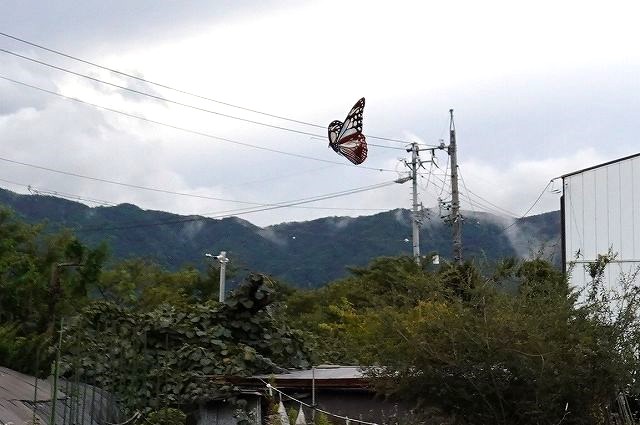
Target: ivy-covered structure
x,y
165,357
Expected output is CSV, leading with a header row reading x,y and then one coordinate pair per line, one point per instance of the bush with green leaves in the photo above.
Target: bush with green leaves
x,y
517,345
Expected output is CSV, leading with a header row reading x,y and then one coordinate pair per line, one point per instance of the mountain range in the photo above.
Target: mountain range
x,y
304,254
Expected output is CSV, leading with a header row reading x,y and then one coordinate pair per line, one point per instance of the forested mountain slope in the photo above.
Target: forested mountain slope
x,y
304,254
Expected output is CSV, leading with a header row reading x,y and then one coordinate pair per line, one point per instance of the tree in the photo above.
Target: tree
x,y
516,345
488,356
34,290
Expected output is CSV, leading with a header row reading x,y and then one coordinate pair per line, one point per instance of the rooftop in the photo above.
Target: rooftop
x,y
325,376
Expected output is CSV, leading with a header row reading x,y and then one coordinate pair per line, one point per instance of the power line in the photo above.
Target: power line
x,y
115,71
186,130
507,212
466,191
495,207
74,197
63,195
159,190
234,213
478,204
175,102
444,181
530,208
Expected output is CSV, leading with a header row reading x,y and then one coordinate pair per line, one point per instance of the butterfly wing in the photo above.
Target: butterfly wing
x,y
355,150
346,137
334,130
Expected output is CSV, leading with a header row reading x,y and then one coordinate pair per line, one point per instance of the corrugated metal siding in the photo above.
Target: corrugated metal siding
x,y
602,212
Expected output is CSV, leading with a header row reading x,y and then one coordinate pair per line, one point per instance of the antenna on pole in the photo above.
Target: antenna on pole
x,y
456,218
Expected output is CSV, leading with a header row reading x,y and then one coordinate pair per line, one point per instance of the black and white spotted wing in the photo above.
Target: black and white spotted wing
x,y
346,137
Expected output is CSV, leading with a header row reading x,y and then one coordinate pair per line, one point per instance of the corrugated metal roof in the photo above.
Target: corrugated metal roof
x,y
15,390
18,386
600,165
17,407
326,376
322,372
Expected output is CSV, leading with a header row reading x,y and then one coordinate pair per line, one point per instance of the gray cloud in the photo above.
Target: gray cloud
x,y
95,26
516,130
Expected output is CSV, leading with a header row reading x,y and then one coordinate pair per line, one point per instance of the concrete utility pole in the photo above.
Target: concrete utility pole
x,y
415,153
222,258
456,219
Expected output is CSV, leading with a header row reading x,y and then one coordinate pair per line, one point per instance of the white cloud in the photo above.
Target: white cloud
x,y
515,187
539,90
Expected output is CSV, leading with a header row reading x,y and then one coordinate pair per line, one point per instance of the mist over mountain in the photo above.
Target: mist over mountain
x,y
304,254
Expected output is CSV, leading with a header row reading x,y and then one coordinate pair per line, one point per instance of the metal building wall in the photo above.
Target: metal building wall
x,y
602,212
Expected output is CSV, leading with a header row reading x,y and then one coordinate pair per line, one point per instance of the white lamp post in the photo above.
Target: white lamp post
x,y
222,258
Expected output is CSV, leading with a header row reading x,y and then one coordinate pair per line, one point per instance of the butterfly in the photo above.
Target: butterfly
x,y
346,137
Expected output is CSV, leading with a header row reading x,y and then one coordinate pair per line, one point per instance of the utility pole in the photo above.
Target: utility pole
x,y
222,258
56,372
55,289
456,219
415,153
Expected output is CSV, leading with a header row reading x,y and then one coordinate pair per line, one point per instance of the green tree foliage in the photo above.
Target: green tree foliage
x,y
170,355
34,289
143,285
516,346
329,313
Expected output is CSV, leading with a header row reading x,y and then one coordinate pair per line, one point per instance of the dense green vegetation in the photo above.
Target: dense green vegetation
x,y
320,252
511,346
499,342
149,336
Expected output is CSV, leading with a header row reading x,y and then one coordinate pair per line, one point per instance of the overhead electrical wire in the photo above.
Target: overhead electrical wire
x,y
124,74
444,180
74,197
504,210
495,207
172,101
530,208
45,192
195,132
467,192
160,98
234,213
482,204
165,191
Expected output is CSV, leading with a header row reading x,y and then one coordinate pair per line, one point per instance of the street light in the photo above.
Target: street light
x,y
222,258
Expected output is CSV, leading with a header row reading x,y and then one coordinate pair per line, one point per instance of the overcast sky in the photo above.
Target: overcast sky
x,y
539,89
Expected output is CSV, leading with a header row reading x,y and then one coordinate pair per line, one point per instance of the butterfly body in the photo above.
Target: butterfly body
x,y
346,137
